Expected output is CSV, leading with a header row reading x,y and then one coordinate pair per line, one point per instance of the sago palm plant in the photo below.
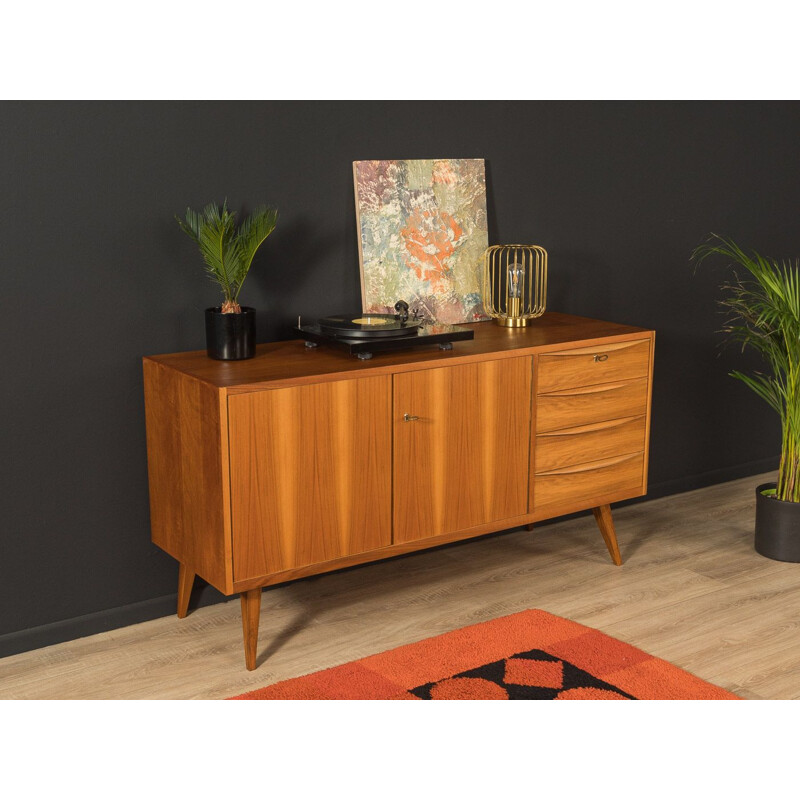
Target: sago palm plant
x,y
764,314
227,251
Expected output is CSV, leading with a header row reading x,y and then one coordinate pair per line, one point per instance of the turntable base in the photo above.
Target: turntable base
x,y
365,347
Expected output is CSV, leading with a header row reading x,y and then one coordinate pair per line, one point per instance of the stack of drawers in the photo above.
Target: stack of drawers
x,y
591,427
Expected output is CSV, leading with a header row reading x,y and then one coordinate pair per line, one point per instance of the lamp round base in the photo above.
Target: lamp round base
x,y
511,322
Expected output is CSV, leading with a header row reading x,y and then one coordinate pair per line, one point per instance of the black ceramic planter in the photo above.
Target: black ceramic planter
x,y
231,337
777,527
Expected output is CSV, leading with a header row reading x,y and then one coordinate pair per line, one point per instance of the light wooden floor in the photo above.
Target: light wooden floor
x,y
691,590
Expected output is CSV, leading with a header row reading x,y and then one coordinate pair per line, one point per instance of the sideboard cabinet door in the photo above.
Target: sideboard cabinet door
x,y
460,446
310,471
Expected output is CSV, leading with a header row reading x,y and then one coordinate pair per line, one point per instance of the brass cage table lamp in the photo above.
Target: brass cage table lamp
x,y
514,283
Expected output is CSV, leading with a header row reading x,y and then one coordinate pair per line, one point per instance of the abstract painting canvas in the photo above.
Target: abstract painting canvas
x,y
422,235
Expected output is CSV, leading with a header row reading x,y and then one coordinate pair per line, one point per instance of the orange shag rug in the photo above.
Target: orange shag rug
x,y
531,655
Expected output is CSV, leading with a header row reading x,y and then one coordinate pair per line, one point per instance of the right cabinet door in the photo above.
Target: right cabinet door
x,y
590,443
461,447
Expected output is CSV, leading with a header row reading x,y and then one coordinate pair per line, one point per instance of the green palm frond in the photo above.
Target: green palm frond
x,y
252,233
763,386
227,252
763,313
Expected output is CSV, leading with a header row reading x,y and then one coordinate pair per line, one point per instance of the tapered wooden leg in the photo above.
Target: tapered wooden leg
x,y
602,515
529,526
251,608
185,583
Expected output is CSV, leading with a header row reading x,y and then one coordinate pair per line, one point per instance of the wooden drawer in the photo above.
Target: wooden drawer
x,y
585,443
589,404
576,488
585,366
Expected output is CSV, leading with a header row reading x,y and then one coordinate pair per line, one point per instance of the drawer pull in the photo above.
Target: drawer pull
x,y
597,388
409,418
601,357
607,462
611,347
592,428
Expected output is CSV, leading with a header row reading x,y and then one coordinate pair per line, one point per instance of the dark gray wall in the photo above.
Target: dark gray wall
x,y
97,274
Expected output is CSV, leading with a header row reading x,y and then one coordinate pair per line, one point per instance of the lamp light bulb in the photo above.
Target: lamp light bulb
x,y
515,273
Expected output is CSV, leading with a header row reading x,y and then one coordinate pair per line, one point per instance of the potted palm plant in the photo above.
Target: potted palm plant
x,y
763,309
228,252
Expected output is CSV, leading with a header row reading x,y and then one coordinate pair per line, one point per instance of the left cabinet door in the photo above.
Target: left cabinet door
x,y
310,471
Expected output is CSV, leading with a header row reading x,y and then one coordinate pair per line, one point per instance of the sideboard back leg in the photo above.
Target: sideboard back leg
x,y
251,608
529,526
185,583
602,515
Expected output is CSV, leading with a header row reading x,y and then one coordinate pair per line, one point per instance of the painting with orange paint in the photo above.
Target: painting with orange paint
x,y
422,235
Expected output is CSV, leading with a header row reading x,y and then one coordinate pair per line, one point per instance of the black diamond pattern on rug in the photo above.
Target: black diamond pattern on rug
x,y
531,675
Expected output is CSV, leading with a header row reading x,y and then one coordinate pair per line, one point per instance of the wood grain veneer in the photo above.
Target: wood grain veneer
x,y
310,474
649,416
465,460
574,488
591,430
586,405
290,363
188,516
593,442
602,363
397,549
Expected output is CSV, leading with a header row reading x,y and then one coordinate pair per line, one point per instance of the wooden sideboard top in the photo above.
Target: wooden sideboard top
x,y
289,363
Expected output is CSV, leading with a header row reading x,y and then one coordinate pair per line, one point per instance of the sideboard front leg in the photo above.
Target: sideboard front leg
x,y
602,515
251,608
185,583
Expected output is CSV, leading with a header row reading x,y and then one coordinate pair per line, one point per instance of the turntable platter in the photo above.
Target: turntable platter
x,y
368,326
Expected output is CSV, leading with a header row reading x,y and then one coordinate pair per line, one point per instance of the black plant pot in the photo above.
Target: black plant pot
x,y
777,527
231,337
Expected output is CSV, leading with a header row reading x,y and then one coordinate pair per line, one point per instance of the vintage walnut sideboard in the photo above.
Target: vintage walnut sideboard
x,y
300,461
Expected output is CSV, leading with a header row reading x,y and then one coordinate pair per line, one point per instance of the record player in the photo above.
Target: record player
x,y
366,333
